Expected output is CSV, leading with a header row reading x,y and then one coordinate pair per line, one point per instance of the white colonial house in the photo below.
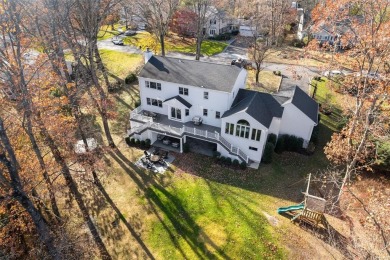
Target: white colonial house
x,y
176,93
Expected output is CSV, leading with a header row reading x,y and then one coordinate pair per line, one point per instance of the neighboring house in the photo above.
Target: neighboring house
x,y
329,33
236,121
219,22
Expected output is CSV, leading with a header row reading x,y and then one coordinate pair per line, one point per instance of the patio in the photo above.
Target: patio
x,y
156,167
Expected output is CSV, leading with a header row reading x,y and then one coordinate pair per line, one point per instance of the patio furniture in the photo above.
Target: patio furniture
x,y
147,155
146,163
197,120
156,151
155,158
164,154
175,145
162,162
166,141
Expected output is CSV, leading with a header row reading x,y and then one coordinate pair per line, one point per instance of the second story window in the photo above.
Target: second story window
x,y
183,91
206,95
205,112
187,112
217,114
154,85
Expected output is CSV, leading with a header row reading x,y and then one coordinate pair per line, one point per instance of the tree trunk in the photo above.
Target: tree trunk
x,y
74,190
101,67
19,194
198,47
46,177
162,43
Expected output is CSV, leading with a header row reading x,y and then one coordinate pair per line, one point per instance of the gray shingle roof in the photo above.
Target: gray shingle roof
x,y
193,73
306,104
261,106
181,100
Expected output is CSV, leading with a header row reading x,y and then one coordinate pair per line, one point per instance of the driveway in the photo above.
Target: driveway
x,y
108,45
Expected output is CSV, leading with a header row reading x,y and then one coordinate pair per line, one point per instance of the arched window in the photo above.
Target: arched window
x,y
242,128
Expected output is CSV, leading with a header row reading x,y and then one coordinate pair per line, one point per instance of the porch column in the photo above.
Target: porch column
x,y
181,145
185,139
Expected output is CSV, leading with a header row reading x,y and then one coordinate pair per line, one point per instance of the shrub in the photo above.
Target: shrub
x,y
236,163
147,143
222,37
186,148
222,159
216,154
132,141
277,73
137,142
137,103
235,32
305,40
280,144
228,161
272,139
268,152
317,78
127,140
142,144
130,78
243,165
114,86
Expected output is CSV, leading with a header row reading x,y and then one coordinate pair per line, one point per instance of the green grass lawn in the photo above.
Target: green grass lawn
x,y
326,96
106,32
174,43
120,64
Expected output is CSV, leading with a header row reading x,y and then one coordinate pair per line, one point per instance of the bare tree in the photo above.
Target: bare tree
x,y
202,10
157,15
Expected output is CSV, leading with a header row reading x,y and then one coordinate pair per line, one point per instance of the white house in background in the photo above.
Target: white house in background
x,y
236,121
219,22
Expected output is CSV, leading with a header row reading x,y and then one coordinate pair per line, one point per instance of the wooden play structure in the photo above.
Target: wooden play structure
x,y
311,210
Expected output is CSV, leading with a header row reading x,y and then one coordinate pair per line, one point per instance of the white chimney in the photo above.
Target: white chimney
x,y
147,55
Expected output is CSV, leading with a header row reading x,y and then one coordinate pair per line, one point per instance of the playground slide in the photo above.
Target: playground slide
x,y
291,208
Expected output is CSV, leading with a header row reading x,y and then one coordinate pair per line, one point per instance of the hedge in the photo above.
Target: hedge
x,y
186,148
289,143
268,152
272,138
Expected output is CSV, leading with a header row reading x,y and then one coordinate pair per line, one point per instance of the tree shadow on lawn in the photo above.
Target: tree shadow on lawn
x,y
177,215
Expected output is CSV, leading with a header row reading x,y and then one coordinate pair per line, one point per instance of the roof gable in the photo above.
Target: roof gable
x,y
192,73
263,107
306,104
179,99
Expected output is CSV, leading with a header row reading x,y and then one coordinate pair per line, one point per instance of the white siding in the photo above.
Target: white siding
x,y
240,83
295,122
244,143
275,126
217,100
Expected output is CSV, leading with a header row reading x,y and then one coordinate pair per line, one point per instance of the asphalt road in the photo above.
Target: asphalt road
x,y
293,75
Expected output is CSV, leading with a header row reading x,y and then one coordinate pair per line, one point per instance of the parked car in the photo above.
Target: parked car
x,y
332,73
242,63
117,41
130,33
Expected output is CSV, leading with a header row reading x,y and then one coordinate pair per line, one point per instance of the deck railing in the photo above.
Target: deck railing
x,y
149,124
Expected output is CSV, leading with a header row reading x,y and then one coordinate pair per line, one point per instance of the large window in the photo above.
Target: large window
x,y
256,133
183,91
176,113
229,129
154,85
212,31
154,102
242,129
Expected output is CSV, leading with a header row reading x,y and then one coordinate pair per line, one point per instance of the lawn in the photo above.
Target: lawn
x,y
174,43
120,64
328,97
106,32
199,209
269,82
